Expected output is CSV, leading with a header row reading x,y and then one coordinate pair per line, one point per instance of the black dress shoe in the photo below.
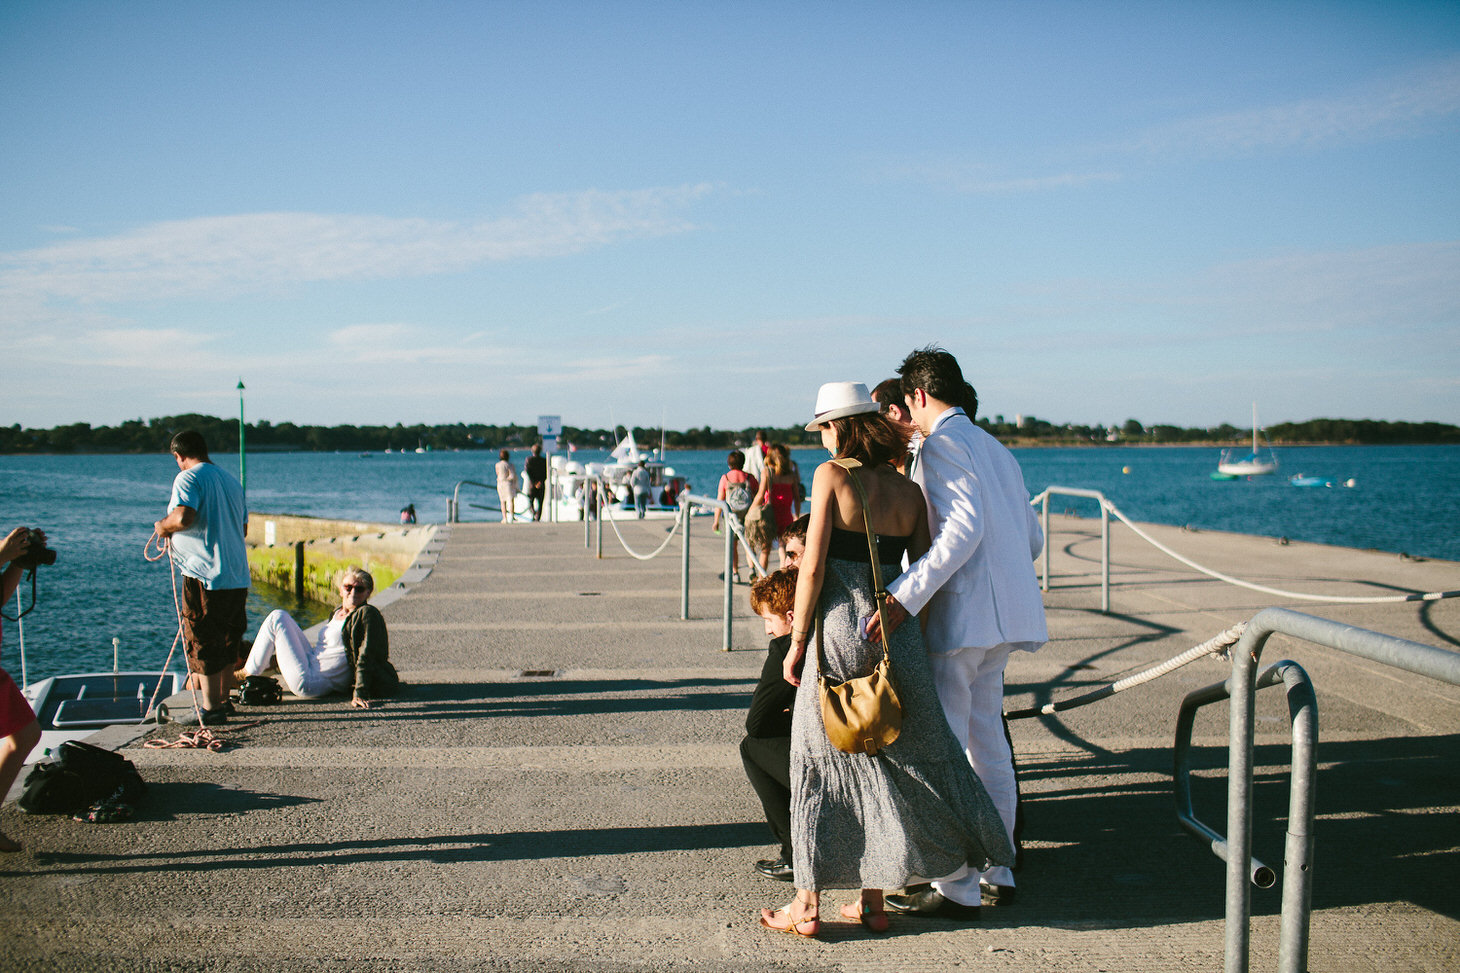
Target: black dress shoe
x,y
928,903
996,894
778,869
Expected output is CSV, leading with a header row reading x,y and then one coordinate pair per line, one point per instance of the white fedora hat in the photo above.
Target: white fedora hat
x,y
837,400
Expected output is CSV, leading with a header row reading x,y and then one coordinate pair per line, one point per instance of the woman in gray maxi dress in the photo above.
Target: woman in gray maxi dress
x,y
916,810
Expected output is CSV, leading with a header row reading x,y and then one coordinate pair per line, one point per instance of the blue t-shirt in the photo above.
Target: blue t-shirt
x,y
212,549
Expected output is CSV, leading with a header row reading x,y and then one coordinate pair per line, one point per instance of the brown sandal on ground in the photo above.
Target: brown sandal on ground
x,y
782,920
7,843
871,921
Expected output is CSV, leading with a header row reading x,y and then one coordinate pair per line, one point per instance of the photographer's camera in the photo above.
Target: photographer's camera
x,y
37,553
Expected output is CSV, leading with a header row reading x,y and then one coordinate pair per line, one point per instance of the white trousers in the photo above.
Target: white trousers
x,y
280,638
970,684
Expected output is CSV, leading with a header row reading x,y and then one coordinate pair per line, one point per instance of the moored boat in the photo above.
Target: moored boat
x,y
1253,464
75,706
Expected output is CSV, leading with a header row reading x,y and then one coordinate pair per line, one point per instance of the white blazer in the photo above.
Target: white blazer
x,y
977,580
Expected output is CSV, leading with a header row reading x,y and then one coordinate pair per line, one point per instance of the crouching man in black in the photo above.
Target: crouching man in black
x,y
766,749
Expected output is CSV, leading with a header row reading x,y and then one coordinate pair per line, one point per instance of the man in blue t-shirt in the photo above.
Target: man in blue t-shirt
x,y
204,530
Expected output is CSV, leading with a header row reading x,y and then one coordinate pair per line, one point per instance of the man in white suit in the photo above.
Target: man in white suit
x,y
980,592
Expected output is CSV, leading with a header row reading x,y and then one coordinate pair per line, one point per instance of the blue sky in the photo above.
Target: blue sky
x,y
698,212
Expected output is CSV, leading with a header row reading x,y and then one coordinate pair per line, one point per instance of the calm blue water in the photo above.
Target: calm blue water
x,y
99,510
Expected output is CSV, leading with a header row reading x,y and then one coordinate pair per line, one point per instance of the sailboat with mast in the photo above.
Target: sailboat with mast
x,y
1255,463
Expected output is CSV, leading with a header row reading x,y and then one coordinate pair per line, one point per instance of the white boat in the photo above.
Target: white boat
x,y
577,480
1254,463
73,707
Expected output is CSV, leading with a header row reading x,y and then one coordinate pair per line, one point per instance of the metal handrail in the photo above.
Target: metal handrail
x,y
732,534
1416,657
1099,497
454,509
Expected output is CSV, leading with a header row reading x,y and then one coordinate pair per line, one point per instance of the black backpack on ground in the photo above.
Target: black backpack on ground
x,y
260,691
80,775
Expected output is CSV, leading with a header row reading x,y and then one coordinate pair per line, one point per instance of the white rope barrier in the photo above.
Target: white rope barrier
x,y
1301,596
1337,599
678,519
1217,646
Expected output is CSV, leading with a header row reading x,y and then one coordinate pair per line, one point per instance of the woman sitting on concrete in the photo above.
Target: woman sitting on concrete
x,y
353,648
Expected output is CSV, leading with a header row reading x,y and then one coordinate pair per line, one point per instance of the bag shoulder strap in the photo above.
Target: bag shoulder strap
x,y
878,591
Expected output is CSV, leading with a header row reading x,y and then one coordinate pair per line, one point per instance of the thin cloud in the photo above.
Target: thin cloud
x,y
613,370
1384,109
398,345
222,256
972,179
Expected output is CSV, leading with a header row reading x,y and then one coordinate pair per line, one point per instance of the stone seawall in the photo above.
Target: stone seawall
x,y
277,541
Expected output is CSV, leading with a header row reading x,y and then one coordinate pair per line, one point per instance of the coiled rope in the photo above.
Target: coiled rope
x,y
164,549
1217,646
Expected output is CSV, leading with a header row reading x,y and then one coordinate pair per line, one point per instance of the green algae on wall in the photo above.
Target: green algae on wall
x,y
329,547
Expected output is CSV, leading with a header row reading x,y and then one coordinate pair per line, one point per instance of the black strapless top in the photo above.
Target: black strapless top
x,y
851,545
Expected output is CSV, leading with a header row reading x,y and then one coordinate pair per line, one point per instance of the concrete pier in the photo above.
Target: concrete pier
x,y
559,787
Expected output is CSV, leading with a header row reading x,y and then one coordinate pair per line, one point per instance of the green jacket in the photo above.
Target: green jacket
x,y
368,648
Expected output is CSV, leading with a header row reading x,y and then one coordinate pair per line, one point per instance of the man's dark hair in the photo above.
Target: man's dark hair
x,y
736,460
888,392
796,528
189,444
937,373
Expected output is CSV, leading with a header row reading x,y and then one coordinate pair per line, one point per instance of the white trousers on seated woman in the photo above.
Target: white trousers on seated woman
x,y
281,639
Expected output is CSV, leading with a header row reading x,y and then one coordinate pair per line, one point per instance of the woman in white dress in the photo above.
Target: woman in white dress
x,y
507,487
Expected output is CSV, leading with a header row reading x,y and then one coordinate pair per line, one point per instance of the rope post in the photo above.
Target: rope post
x,y
298,570
684,562
1046,540
1104,559
729,583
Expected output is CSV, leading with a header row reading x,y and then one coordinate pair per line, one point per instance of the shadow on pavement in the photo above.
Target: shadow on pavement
x,y
1112,854
439,849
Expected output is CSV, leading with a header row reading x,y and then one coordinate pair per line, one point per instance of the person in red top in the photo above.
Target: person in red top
x,y
779,500
18,724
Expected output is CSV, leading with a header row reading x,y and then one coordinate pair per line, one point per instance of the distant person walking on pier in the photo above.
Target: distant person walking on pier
x,y
408,514
537,474
737,489
980,592
204,530
755,455
507,487
775,506
916,808
643,484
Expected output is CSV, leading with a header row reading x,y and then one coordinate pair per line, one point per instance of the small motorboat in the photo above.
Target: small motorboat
x,y
73,707
1303,480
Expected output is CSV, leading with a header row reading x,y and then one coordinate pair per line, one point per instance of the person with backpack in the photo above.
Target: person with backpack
x,y
737,489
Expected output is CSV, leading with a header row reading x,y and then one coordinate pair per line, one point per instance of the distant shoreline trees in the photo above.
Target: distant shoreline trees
x,y
151,436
